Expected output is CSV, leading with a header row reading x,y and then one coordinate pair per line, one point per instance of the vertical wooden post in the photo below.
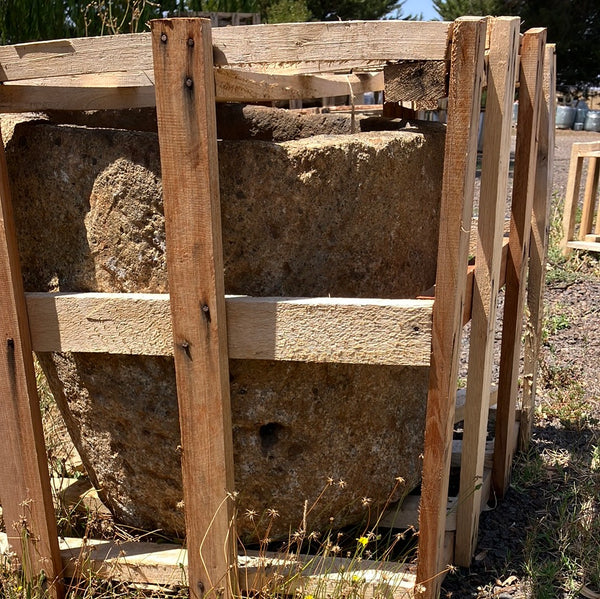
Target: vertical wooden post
x,y
540,229
571,199
185,101
530,94
501,74
589,198
464,97
27,505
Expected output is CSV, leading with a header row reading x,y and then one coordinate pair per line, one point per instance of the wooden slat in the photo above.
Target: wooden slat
x,y
589,197
167,564
501,75
571,199
311,47
136,90
466,72
420,81
353,331
239,86
77,56
187,136
291,48
540,229
36,98
530,96
590,246
28,511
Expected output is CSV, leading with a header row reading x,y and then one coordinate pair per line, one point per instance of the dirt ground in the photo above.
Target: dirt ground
x,y
567,416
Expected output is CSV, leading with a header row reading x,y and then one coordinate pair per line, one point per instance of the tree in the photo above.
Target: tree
x,y
343,10
450,10
32,20
573,25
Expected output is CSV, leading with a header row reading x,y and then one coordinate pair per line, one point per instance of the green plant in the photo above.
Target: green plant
x,y
562,548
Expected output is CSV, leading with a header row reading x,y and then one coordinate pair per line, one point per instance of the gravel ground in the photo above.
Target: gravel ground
x,y
572,351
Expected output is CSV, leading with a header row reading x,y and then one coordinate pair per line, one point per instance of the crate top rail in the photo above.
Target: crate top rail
x,y
253,63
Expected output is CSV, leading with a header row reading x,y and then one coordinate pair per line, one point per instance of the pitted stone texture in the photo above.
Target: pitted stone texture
x,y
331,215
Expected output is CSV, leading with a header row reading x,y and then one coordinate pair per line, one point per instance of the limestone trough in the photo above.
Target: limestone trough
x,y
341,215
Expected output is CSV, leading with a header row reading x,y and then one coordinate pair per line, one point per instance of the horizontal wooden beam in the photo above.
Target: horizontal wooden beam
x,y
233,85
590,246
355,331
290,48
166,564
116,91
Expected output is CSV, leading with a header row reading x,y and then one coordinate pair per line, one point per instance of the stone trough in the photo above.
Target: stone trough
x,y
346,215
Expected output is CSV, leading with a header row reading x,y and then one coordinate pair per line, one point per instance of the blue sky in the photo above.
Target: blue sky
x,y
420,6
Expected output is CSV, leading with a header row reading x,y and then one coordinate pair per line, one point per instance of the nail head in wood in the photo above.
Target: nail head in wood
x,y
163,38
190,42
189,83
206,312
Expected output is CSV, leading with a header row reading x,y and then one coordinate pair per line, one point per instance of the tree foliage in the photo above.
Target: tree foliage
x,y
334,10
449,10
573,25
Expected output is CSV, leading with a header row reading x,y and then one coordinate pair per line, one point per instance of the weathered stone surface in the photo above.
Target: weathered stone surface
x,y
339,215
236,121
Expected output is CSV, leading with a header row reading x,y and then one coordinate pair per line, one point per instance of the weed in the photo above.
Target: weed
x,y
562,552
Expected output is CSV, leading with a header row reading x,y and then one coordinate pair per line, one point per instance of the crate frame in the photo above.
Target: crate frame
x,y
582,152
192,68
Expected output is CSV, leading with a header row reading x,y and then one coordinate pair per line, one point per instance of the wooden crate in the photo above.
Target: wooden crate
x,y
586,240
183,68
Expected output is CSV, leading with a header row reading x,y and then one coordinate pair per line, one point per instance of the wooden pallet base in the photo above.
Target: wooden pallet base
x,y
166,565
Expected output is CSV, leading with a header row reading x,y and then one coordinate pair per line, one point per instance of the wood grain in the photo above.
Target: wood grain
x,y
420,81
167,564
136,89
354,331
589,197
233,85
501,76
538,250
185,104
27,507
284,48
590,246
466,72
531,74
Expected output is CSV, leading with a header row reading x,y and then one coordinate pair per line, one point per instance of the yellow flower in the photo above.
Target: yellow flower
x,y
363,541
